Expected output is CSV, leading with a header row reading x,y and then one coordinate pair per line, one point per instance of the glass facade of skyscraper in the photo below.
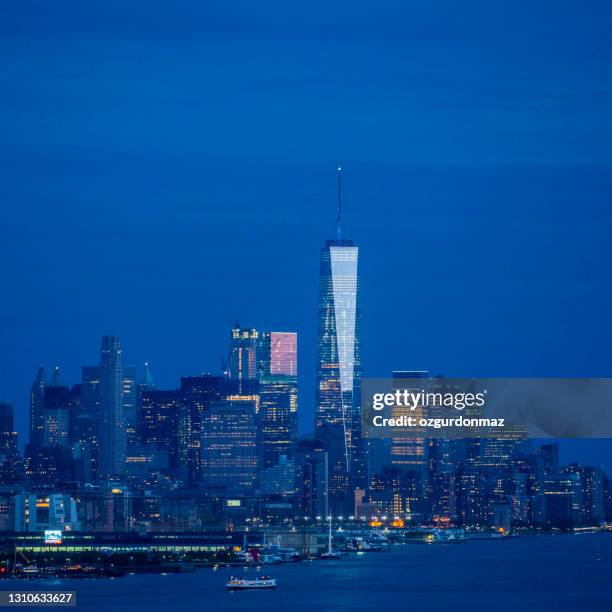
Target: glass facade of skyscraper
x,y
278,417
338,390
243,363
112,433
283,353
230,446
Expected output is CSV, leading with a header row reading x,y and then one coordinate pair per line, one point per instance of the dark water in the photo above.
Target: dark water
x,y
528,573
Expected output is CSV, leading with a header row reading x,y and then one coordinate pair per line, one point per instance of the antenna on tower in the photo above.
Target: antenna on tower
x,y
339,218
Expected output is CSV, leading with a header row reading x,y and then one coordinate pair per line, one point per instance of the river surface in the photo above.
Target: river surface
x,y
564,572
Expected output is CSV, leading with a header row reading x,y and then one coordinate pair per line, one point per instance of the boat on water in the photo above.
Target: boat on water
x,y
235,583
375,542
369,546
27,571
331,555
446,536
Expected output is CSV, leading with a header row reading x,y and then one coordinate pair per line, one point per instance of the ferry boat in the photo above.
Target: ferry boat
x,y
241,584
27,571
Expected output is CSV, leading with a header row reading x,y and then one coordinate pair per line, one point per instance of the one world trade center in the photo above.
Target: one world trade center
x,y
338,390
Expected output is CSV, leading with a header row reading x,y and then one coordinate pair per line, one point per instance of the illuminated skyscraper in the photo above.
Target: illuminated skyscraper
x,y
264,364
230,446
243,364
112,436
165,426
563,499
198,392
278,353
311,479
278,417
10,464
37,407
338,384
58,401
85,423
278,392
410,453
130,393
8,436
592,492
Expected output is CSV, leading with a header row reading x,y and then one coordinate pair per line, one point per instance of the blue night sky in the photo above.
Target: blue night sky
x,y
166,168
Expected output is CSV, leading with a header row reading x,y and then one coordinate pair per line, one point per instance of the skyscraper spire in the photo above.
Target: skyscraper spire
x,y
148,382
56,380
339,219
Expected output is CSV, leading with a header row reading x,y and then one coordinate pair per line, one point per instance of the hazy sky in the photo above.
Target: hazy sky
x,y
166,168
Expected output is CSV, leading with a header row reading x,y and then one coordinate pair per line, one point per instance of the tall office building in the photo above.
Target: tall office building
x,y
197,394
166,426
264,364
338,378
8,436
37,407
410,453
388,492
49,461
441,492
278,392
277,417
277,353
279,480
592,492
243,364
131,396
311,472
10,464
59,401
112,435
563,499
230,446
85,424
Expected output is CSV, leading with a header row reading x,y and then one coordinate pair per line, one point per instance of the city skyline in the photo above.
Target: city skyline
x,y
476,160
306,294
574,450
118,454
